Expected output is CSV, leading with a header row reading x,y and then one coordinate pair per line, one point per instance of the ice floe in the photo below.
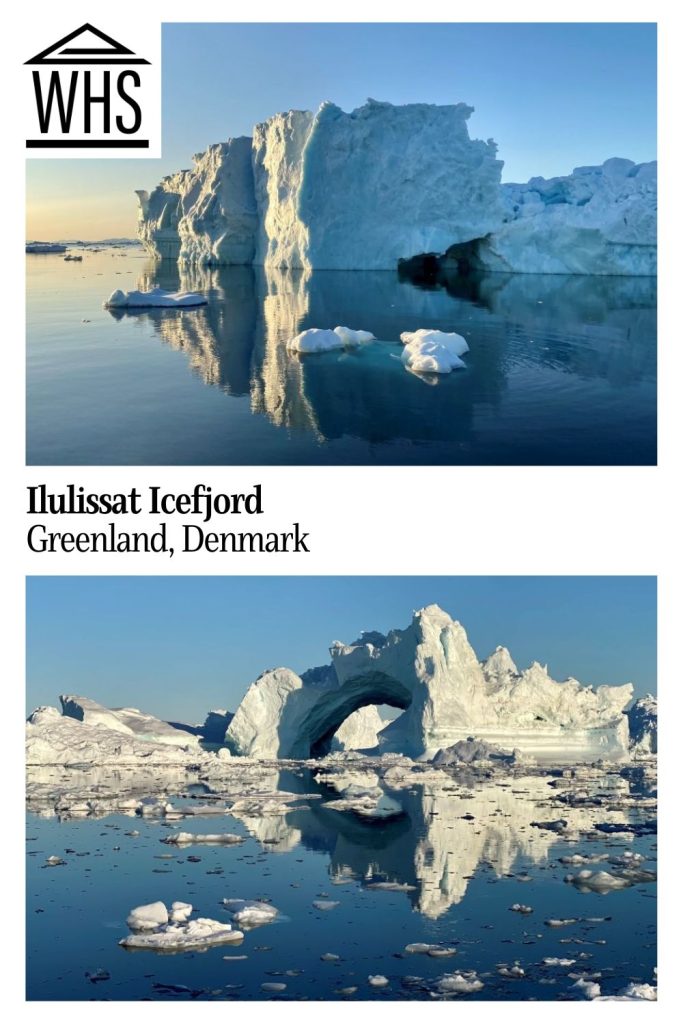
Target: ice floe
x,y
213,838
250,913
430,351
155,297
316,339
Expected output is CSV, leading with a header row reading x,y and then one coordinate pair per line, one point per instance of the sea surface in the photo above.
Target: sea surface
x,y
464,851
561,370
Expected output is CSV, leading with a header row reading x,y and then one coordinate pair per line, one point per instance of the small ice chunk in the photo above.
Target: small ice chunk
x,y
429,351
325,904
521,908
330,957
317,339
588,989
515,971
377,980
250,913
557,961
273,986
459,983
147,916
597,881
54,862
154,298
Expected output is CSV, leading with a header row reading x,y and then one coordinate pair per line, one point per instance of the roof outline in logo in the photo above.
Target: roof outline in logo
x,y
113,53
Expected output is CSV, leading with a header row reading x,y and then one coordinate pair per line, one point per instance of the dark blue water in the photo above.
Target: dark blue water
x,y
561,370
463,872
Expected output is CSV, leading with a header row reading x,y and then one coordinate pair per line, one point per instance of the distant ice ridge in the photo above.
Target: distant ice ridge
x,y
363,190
431,672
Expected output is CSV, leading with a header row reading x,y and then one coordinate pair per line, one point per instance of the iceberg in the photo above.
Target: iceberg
x,y
386,185
130,721
432,674
596,220
52,738
44,247
154,298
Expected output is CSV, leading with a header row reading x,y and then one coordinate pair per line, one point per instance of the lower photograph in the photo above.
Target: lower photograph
x,y
396,788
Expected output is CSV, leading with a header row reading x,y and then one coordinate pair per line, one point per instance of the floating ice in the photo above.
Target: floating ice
x,y
428,351
325,904
377,980
44,247
597,881
180,912
459,984
316,339
197,934
148,916
154,298
587,989
218,838
250,913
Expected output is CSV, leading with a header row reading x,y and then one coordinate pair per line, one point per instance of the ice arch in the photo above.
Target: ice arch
x,y
319,728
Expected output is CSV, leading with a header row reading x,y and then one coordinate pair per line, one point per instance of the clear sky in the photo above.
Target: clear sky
x,y
553,96
178,646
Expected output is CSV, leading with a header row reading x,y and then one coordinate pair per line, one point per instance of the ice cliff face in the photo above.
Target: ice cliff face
x,y
431,672
206,215
597,220
642,723
330,191
340,191
363,190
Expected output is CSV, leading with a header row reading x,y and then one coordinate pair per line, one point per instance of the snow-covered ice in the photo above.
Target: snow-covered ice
x,y
197,934
155,297
316,339
148,916
428,351
211,838
250,913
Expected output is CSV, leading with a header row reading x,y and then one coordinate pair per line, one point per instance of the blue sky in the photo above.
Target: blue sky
x,y
180,645
553,96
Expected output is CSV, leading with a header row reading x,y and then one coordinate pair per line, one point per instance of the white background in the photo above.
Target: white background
x,y
374,520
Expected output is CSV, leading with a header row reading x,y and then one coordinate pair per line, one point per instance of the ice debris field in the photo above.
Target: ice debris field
x,y
305,847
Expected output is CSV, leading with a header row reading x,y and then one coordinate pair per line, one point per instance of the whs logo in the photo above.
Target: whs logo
x,y
90,95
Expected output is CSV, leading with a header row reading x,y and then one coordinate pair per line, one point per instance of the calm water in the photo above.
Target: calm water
x,y
560,369
461,848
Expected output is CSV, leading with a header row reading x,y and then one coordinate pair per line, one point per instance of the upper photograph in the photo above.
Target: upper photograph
x,y
406,244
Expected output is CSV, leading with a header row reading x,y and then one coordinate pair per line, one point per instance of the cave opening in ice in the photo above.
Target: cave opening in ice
x,y
327,717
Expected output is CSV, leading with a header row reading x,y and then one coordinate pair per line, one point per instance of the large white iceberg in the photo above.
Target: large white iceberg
x,y
431,672
385,183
